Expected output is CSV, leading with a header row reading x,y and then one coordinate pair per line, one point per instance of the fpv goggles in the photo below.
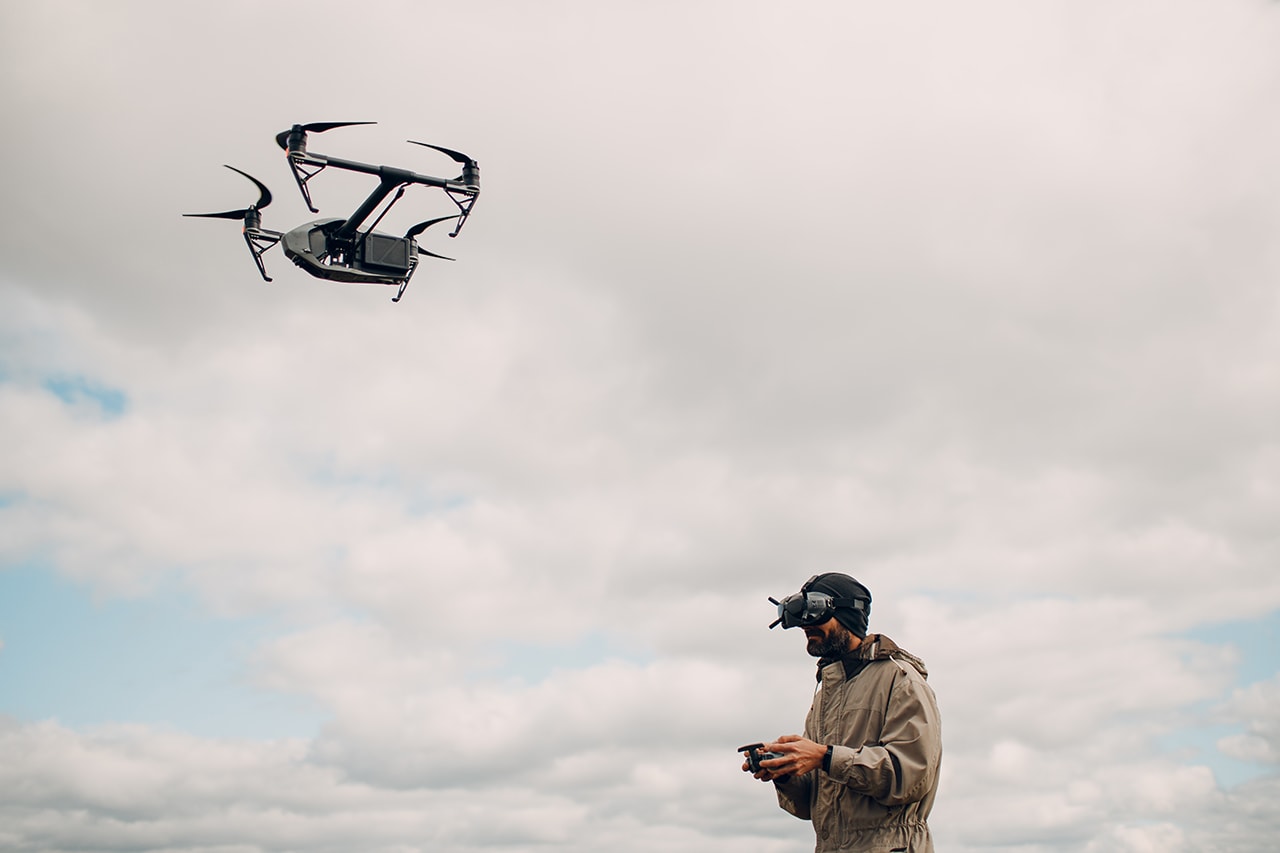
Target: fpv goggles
x,y
810,608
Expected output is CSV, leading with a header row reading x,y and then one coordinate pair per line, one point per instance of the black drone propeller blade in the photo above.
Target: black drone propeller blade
x,y
423,226
282,138
226,214
264,199
458,156
264,194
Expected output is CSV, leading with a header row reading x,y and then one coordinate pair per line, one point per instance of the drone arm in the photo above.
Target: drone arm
x,y
463,190
463,196
306,166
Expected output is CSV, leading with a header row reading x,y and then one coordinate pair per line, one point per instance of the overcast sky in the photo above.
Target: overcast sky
x,y
977,301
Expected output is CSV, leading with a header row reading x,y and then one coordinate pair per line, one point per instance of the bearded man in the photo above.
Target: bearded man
x,y
865,772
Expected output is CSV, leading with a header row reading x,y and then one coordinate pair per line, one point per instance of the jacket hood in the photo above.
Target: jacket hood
x,y
880,647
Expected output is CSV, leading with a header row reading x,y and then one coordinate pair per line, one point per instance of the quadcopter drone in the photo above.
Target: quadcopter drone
x,y
338,249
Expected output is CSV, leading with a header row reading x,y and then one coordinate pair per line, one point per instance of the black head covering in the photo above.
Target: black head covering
x,y
839,585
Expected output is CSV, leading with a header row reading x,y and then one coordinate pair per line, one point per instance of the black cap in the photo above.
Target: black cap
x,y
838,586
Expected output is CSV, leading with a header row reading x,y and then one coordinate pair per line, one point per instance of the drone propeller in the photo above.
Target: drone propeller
x,y
264,199
410,235
470,169
255,237
423,226
282,138
458,156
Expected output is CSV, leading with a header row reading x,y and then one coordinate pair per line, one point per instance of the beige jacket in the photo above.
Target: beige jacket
x,y
884,724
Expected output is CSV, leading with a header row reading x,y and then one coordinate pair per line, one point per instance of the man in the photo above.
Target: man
x,y
866,771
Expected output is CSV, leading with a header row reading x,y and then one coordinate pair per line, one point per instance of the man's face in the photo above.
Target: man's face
x,y
830,639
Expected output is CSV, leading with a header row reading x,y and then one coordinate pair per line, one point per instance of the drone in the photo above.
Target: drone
x,y
344,250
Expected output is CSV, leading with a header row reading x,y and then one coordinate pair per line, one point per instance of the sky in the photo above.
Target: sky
x,y
978,302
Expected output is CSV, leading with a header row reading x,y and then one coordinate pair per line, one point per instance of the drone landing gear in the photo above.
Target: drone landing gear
x,y
404,285
302,175
465,200
258,242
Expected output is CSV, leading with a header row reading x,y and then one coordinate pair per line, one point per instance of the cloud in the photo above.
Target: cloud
x,y
974,302
141,789
1255,708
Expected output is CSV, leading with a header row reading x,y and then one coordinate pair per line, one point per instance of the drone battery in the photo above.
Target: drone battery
x,y
381,250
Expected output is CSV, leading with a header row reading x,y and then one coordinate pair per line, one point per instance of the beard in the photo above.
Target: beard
x,y
833,644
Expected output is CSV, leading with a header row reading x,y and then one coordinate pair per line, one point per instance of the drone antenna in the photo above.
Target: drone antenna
x,y
775,622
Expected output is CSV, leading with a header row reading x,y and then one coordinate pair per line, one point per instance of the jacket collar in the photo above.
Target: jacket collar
x,y
874,647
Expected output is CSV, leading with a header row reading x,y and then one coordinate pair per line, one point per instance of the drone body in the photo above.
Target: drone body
x,y
343,249
377,258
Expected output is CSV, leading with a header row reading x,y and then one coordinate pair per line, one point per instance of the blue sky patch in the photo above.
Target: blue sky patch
x,y
1258,642
1199,745
157,660
75,390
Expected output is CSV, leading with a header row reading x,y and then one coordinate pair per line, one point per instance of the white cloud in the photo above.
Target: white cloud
x,y
976,302
1257,709
137,789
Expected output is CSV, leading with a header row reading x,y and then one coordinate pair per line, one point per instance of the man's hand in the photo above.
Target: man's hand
x,y
799,756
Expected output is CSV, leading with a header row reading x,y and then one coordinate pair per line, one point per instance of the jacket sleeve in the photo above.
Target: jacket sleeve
x,y
901,768
794,795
